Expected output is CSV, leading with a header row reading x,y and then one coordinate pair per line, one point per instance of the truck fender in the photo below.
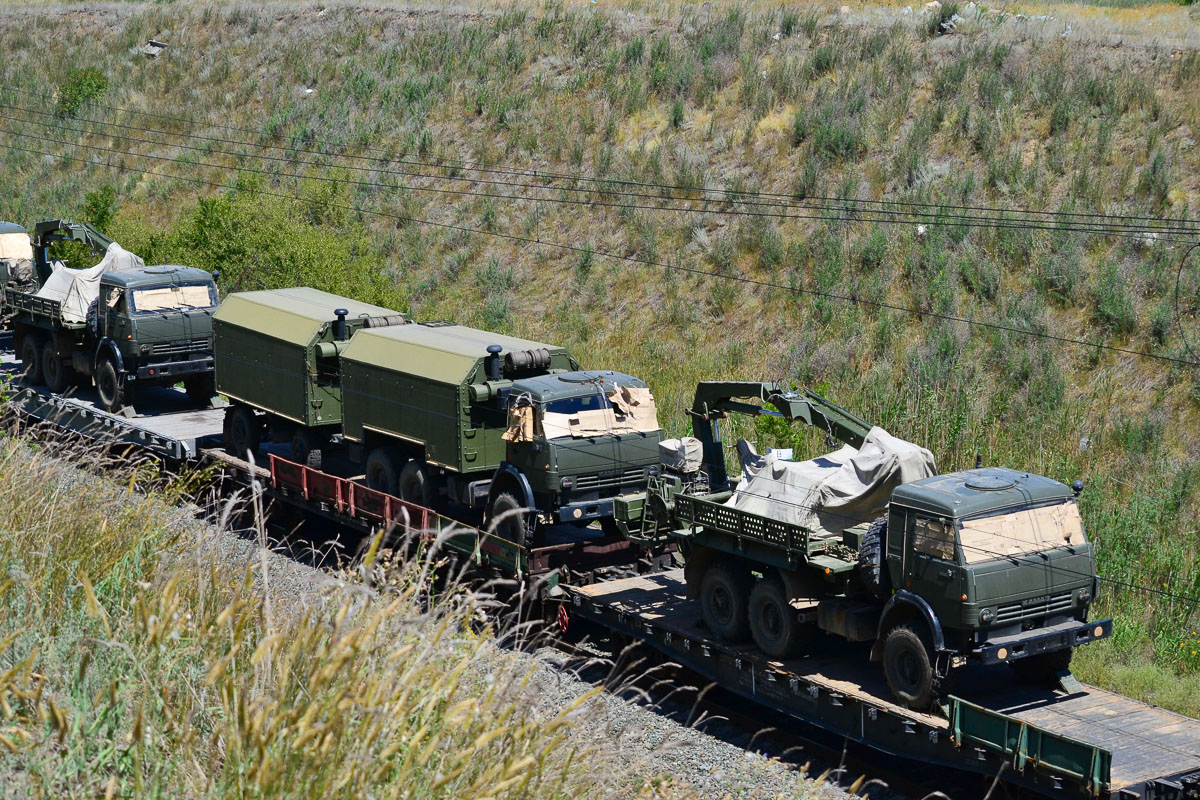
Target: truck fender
x,y
109,347
510,479
904,604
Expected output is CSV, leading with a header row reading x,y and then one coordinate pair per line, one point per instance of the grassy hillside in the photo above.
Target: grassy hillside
x,y
1088,111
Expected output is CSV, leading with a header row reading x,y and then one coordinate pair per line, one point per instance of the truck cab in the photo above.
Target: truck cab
x,y
582,438
990,564
153,326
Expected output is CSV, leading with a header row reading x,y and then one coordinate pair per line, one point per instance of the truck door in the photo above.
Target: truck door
x,y
934,572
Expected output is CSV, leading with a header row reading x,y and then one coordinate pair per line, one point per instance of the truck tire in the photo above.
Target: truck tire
x,y
31,359
200,388
306,448
509,520
725,600
54,371
382,470
908,668
108,387
416,484
1043,668
774,625
242,431
871,568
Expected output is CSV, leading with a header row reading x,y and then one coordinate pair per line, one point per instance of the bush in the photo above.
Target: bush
x,y
78,88
1114,307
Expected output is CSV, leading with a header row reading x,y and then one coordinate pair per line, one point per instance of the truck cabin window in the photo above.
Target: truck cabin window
x,y
934,538
1021,532
621,412
186,297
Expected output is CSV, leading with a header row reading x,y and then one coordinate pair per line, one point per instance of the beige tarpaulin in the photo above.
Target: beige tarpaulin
x,y
76,289
16,246
630,410
835,491
170,298
1021,532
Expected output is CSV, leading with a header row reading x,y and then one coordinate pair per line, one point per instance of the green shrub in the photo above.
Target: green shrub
x,y
78,88
1114,306
935,23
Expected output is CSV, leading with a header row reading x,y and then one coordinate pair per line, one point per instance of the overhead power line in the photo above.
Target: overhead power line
x,y
846,212
677,267
937,212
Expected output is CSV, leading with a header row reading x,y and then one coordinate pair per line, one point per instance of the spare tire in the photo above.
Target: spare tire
x,y
871,568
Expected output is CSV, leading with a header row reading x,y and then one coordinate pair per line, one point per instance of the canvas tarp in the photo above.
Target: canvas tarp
x,y
630,410
836,491
1019,532
76,289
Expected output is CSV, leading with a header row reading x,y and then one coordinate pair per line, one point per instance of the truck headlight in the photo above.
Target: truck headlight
x,y
1084,597
987,616
568,482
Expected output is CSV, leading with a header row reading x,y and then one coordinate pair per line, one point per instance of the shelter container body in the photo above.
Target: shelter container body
x,y
278,352
414,384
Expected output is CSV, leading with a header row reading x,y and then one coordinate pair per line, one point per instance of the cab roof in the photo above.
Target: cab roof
x,y
163,275
978,491
11,227
547,388
439,352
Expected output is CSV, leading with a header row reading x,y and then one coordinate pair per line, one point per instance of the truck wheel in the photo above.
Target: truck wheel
x,y
108,386
1043,667
776,629
54,371
306,448
724,600
200,388
908,668
383,469
416,484
31,359
242,432
870,560
509,520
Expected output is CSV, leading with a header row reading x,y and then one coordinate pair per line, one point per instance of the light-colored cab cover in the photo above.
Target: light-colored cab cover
x,y
76,289
836,491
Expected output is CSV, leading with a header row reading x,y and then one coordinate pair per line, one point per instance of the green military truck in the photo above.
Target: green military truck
x,y
278,358
496,423
989,564
433,412
120,322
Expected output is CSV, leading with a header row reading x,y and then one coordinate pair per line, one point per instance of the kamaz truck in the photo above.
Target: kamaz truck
x,y
869,544
120,322
436,413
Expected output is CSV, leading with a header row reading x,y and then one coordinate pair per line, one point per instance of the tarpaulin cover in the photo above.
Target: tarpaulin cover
x,y
835,491
76,289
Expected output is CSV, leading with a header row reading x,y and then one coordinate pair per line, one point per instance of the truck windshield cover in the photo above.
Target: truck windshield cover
x,y
1015,533
15,245
173,298
623,411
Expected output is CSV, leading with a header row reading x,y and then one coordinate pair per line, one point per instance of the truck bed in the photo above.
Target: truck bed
x,y
1089,741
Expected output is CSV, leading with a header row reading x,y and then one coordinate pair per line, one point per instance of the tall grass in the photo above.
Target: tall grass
x,y
145,654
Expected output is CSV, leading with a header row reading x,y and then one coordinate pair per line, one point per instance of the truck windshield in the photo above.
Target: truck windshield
x,y
15,245
622,411
1021,532
173,298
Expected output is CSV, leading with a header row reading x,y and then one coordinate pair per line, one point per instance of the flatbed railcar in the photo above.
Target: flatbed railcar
x,y
1080,742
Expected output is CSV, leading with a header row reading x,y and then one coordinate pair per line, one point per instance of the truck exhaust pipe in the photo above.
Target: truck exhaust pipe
x,y
339,327
492,365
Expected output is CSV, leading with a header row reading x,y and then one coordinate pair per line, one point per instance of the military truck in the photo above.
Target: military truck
x,y
120,322
278,358
508,426
990,564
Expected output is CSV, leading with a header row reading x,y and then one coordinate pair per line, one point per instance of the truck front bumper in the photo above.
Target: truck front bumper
x,y
174,369
1043,640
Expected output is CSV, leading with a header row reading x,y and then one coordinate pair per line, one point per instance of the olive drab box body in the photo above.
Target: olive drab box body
x,y
414,383
278,350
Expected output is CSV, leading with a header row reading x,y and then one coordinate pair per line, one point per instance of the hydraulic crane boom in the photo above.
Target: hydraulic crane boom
x,y
715,399
47,233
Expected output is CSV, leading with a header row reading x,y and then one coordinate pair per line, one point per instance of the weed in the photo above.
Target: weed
x,y
78,88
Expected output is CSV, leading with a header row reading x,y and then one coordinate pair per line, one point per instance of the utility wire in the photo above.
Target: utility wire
x,y
852,299
1153,224
848,213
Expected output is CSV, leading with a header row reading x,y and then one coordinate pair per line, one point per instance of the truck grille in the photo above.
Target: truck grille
x,y
586,483
1034,607
178,348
